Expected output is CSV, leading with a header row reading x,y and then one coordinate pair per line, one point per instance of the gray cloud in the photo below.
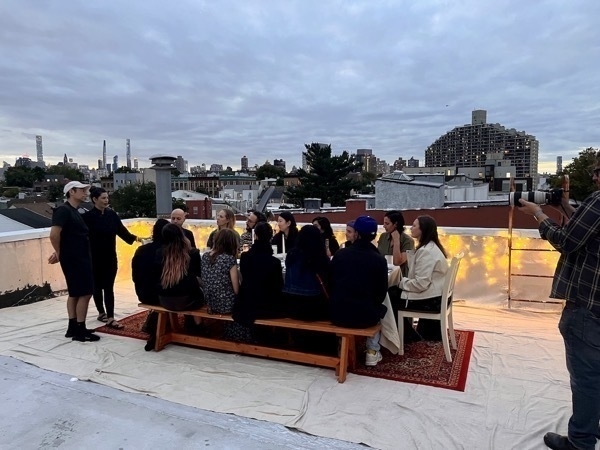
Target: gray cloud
x,y
213,81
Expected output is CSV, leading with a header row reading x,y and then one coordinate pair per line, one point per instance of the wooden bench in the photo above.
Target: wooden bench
x,y
167,332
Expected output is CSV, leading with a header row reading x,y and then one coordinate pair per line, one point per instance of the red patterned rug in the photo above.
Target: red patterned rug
x,y
425,363
133,327
422,363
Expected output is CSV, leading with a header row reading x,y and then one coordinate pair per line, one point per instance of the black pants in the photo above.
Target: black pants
x,y
104,285
427,329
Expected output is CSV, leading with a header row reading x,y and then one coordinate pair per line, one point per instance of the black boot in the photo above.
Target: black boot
x,y
150,344
558,442
71,328
82,334
149,325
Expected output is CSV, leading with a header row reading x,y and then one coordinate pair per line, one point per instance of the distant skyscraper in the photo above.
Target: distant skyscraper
x,y
100,164
469,145
559,164
368,160
115,165
244,163
104,154
128,152
65,160
23,161
180,164
40,151
412,162
135,164
279,163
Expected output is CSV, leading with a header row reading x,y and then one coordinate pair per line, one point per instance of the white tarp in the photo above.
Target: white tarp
x,y
517,387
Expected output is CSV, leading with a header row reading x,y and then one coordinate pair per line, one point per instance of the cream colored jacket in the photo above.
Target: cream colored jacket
x,y
426,274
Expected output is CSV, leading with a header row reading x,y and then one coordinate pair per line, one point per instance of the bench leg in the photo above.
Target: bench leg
x,y
343,366
174,321
352,353
161,331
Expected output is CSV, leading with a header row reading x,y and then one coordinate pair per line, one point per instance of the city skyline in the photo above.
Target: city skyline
x,y
214,82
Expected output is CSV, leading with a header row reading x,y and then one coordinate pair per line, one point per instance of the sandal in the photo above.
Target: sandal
x,y
114,325
103,318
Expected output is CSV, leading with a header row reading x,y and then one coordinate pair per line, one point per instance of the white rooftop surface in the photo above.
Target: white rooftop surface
x,y
517,390
8,225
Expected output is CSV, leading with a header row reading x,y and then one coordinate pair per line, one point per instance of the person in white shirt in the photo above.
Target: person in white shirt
x,y
421,289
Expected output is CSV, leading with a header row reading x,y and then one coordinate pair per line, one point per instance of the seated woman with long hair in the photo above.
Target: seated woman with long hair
x,y
177,268
421,289
329,240
306,277
180,269
225,220
285,239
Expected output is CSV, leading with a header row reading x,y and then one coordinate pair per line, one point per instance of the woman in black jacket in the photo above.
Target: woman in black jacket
x,y
285,239
262,281
329,240
105,226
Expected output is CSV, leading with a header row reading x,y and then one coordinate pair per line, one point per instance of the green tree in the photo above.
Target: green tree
x,y
268,170
23,176
328,178
579,171
135,200
367,182
11,192
55,191
68,172
179,203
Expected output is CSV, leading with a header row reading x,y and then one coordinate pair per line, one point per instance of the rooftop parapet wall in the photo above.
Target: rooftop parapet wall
x,y
482,279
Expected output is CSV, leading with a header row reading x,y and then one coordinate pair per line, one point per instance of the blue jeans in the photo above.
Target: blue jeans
x,y
581,333
373,342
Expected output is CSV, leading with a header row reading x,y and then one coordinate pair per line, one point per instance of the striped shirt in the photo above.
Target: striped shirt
x,y
577,275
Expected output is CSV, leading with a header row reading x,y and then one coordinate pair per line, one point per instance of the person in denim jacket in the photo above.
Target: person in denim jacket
x,y
306,277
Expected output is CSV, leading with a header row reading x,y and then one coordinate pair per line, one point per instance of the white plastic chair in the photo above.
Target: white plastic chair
x,y
444,316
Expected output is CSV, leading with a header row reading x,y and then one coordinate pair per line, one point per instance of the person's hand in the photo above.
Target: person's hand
x,y
529,207
396,235
53,259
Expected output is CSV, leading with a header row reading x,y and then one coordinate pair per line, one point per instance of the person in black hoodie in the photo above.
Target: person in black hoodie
x,y
145,279
359,281
262,281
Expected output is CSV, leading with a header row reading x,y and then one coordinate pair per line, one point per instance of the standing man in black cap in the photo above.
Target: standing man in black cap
x,y
69,236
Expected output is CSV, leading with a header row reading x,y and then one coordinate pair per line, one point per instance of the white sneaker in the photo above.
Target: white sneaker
x,y
373,358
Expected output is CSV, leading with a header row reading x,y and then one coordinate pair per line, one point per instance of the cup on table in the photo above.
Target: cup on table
x,y
389,259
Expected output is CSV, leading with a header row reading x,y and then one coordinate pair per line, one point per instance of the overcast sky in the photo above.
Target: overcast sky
x,y
215,80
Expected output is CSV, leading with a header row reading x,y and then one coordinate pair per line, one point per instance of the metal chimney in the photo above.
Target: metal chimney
x,y
163,165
